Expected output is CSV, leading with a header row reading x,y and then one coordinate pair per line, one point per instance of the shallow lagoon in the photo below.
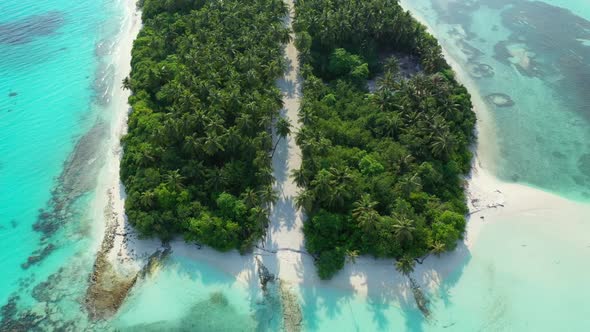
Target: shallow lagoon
x,y
538,56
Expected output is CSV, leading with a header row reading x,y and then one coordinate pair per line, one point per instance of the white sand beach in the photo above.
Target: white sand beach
x,y
109,205
490,201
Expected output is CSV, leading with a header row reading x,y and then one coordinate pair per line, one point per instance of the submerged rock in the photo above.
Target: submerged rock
x,y
107,288
500,99
264,275
218,298
421,300
155,262
480,70
292,317
38,256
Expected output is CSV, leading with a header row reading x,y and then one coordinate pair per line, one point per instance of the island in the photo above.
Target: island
x,y
382,167
385,134
197,156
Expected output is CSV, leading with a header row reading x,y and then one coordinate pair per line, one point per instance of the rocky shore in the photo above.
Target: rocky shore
x,y
107,288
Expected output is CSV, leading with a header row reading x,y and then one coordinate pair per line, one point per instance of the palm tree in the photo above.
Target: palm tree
x,y
322,184
403,228
406,161
363,206
364,212
212,144
337,196
386,82
245,123
191,146
174,180
233,139
263,141
437,248
410,183
261,217
147,198
442,144
352,255
341,175
249,197
306,115
299,177
393,122
265,175
126,84
268,195
305,200
283,130
215,125
214,179
382,98
405,265
391,65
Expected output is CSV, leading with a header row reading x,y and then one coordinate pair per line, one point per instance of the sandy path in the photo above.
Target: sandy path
x,y
286,221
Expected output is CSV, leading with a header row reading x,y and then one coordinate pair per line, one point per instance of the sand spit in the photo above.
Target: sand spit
x,y
122,258
107,288
292,317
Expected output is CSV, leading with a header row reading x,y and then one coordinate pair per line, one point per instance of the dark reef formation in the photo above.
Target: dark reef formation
x,y
500,99
25,30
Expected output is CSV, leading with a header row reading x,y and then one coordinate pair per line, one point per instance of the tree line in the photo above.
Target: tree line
x,y
197,156
382,171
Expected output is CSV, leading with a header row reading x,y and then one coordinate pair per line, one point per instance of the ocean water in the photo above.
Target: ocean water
x,y
524,273
55,87
537,55
191,295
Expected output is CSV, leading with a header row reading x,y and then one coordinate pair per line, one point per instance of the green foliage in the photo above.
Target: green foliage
x,y
330,261
365,28
382,171
370,166
197,158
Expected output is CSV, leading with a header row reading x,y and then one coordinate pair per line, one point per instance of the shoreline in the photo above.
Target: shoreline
x,y
118,262
285,238
489,197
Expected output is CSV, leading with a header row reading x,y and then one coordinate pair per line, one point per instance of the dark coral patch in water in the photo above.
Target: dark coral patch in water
x,y
25,30
480,70
500,99
584,164
38,256
558,155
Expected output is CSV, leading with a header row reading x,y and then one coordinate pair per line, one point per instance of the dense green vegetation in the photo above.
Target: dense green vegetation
x,y
382,171
197,158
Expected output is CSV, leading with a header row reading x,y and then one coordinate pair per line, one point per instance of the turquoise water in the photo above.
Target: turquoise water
x,y
521,274
54,82
190,295
537,54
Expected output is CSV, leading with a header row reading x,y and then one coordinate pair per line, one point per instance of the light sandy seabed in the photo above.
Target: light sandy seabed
x,y
283,248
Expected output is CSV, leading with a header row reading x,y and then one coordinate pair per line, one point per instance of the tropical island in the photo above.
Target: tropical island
x,y
272,144
382,170
382,167
197,157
